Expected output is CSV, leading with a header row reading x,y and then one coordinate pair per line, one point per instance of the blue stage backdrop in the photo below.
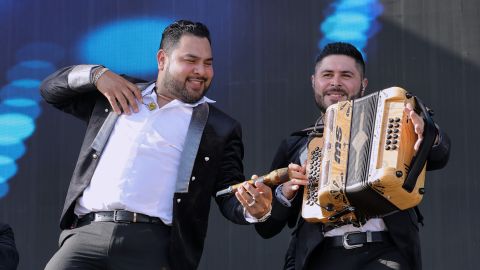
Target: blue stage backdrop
x,y
264,52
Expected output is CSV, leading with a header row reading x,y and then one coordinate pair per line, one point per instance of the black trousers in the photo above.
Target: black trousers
x,y
108,245
372,256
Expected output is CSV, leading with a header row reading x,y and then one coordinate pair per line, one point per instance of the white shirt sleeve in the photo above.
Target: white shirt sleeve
x,y
252,219
279,195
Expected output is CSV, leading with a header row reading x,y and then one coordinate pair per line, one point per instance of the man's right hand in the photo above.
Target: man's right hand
x,y
121,93
298,178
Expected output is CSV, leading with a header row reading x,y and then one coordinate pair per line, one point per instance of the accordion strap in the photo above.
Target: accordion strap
x,y
419,160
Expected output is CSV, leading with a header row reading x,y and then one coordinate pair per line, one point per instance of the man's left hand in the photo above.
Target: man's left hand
x,y
256,199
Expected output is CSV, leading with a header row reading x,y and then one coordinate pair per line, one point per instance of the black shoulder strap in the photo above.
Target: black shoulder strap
x,y
305,132
419,160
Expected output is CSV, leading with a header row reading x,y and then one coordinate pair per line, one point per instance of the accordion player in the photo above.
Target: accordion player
x,y
363,165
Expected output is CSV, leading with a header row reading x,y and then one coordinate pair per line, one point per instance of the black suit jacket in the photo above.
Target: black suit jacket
x,y
218,163
8,251
402,226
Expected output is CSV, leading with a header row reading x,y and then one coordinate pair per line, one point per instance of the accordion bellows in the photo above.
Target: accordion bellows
x,y
358,166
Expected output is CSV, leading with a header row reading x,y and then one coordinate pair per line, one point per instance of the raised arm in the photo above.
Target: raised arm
x,y
72,89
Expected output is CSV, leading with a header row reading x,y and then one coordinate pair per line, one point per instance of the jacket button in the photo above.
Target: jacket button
x,y
106,110
179,200
95,156
207,158
193,178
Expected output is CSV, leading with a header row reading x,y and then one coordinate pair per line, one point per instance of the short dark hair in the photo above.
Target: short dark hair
x,y
342,48
172,34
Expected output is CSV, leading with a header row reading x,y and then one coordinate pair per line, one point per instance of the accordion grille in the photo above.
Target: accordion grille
x,y
361,132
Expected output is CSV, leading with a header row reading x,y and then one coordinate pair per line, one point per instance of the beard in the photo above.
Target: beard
x,y
179,89
320,99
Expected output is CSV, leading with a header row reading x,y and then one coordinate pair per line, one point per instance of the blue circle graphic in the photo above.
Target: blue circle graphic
x,y
127,46
15,127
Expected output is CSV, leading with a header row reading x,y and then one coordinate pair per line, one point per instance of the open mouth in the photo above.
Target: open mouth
x,y
336,94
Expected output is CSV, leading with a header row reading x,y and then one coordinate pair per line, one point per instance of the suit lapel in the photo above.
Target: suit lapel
x,y
104,133
190,149
106,129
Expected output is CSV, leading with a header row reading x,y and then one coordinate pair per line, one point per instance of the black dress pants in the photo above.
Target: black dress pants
x,y
372,256
108,245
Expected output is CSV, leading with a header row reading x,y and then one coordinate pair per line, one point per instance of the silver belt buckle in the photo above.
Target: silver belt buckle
x,y
115,217
346,245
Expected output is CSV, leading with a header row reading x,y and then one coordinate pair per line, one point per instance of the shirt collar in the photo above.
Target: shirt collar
x,y
149,91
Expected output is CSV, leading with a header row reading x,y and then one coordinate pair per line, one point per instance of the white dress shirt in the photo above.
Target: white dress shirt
x,y
138,168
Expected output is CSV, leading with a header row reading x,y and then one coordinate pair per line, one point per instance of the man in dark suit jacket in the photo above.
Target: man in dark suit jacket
x,y
8,251
391,242
140,194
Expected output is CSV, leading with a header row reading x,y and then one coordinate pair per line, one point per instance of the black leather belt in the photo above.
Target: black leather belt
x,y
119,216
357,239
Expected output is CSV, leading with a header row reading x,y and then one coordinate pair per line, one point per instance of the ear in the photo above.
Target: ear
x,y
161,59
364,85
313,81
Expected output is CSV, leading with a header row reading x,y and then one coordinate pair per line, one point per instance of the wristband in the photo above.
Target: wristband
x,y
98,75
